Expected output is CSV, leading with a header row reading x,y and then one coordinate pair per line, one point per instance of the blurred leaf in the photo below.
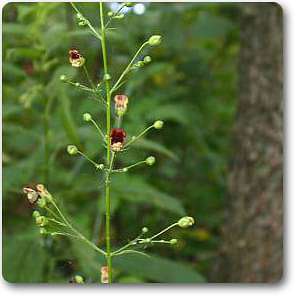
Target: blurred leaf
x,y
154,146
157,269
136,190
26,258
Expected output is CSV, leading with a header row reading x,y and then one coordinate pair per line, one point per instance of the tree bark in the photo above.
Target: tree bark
x,y
253,233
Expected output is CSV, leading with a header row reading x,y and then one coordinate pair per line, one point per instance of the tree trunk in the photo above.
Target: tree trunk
x,y
253,242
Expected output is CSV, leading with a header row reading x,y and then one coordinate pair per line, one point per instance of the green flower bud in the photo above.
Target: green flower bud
x,y
154,40
87,117
139,64
77,84
78,279
72,150
82,23
158,124
129,4
100,166
42,202
173,241
119,16
186,222
125,169
145,229
110,14
35,214
150,160
147,59
62,77
41,221
147,240
43,231
106,77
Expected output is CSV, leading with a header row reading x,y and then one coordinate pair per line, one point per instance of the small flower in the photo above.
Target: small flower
x,y
42,202
154,40
75,58
35,214
173,241
129,4
63,77
145,229
119,16
43,231
150,160
158,124
186,222
117,139
41,221
106,77
72,150
147,59
100,166
78,279
87,117
121,102
32,194
104,274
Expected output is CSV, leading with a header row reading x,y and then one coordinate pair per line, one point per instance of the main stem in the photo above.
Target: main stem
x,y
108,157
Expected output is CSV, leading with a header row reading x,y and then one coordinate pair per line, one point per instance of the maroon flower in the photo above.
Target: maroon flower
x,y
75,58
117,138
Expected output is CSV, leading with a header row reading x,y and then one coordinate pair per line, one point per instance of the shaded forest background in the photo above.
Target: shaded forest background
x,y
193,84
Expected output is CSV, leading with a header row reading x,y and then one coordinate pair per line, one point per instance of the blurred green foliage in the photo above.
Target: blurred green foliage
x,y
190,84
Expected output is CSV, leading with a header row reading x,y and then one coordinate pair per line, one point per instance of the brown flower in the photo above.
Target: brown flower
x,y
104,274
117,139
121,102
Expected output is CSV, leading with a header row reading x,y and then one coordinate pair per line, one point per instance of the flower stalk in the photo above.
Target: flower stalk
x,y
109,160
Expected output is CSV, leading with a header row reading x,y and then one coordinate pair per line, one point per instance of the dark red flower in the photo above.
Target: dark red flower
x,y
75,58
117,138
74,54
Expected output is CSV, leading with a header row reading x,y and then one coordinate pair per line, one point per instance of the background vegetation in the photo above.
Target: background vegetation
x,y
191,85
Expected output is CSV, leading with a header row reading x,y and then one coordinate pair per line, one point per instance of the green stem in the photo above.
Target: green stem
x,y
139,136
163,231
88,77
127,69
108,152
98,128
87,158
115,14
129,167
77,233
93,30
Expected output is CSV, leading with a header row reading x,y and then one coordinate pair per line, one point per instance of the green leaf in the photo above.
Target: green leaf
x,y
134,189
23,258
154,146
157,269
